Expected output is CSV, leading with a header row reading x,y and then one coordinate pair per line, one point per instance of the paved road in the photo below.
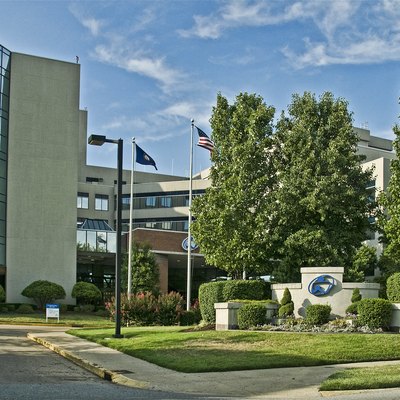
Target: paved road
x,y
29,371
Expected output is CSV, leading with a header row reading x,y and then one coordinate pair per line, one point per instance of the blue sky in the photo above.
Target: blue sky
x,y
148,67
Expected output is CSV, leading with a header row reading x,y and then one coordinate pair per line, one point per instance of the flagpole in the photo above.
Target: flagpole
x,y
130,220
189,241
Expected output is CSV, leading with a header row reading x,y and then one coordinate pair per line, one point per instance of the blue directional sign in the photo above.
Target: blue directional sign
x,y
321,285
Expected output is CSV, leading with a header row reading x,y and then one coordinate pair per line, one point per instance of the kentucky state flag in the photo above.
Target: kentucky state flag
x,y
143,158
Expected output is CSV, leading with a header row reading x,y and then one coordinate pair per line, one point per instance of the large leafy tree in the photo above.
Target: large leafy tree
x,y
389,222
229,224
321,206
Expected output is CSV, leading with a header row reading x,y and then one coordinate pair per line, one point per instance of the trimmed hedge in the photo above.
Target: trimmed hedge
x,y
318,314
375,313
222,291
393,288
251,315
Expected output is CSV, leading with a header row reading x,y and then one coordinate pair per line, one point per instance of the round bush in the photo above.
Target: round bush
x,y
318,314
43,292
2,294
375,313
250,315
86,293
393,288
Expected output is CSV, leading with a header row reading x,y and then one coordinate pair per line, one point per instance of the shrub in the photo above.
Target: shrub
x,y
318,314
43,292
356,296
241,289
216,292
86,293
375,313
287,306
169,308
353,308
2,294
250,315
393,288
25,309
210,293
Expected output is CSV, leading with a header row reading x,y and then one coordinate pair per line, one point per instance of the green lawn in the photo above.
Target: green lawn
x,y
66,318
185,350
364,378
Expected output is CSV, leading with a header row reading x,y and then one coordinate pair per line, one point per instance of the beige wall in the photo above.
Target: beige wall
x,y
42,173
339,298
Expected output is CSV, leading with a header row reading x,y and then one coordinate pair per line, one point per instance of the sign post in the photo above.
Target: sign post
x,y
53,311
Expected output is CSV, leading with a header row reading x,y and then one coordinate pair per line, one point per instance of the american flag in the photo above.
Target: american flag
x,y
204,140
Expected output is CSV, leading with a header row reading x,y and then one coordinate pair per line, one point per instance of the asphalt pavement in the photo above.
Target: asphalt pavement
x,y
277,383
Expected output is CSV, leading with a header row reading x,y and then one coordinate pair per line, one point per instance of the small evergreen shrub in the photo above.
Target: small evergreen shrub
x,y
318,314
375,313
393,288
353,308
356,296
25,309
2,294
43,292
287,306
86,293
250,315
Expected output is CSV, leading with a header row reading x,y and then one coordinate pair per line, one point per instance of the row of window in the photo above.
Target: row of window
x,y
169,201
100,201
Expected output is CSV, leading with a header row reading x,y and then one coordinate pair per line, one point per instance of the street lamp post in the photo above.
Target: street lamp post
x,y
99,140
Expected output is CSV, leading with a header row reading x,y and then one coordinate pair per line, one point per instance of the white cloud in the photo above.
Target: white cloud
x,y
92,24
140,63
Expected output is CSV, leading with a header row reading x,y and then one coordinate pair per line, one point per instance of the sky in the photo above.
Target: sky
x,y
150,66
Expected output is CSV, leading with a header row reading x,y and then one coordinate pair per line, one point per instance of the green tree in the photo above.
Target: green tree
x,y
321,204
389,221
229,224
144,270
364,263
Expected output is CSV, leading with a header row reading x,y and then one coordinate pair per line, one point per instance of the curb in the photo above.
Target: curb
x,y
101,372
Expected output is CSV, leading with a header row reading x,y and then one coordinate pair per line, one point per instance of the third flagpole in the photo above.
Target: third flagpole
x,y
130,220
189,239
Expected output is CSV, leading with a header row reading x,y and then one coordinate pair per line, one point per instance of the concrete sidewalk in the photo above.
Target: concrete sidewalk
x,y
109,364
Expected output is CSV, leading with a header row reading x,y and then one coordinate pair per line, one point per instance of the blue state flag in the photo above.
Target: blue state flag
x,y
143,158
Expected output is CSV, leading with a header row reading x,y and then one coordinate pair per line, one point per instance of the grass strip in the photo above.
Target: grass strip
x,y
186,350
364,378
66,318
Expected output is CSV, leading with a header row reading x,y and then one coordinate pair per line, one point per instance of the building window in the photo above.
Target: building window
x,y
166,202
150,201
83,200
101,202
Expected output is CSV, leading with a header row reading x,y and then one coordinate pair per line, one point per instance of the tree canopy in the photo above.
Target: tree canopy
x,y
228,222
389,221
285,196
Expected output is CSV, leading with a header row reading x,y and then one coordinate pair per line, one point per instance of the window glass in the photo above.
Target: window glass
x,y
83,200
91,240
101,202
150,201
166,201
